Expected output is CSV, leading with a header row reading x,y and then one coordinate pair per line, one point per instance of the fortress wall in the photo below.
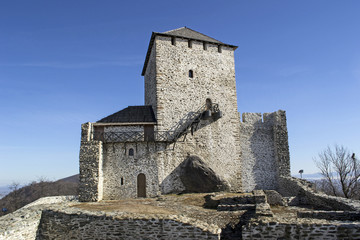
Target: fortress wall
x,y
91,157
264,150
281,141
258,155
275,230
58,225
23,223
121,170
86,132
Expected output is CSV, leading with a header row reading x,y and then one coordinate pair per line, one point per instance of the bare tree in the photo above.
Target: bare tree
x,y
14,187
340,170
301,172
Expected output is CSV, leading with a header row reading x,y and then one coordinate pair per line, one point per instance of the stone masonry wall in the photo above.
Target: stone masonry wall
x,y
274,230
216,143
281,144
23,223
121,170
258,154
265,150
150,80
58,225
305,195
91,178
331,215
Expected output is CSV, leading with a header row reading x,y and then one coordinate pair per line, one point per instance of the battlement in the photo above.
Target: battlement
x,y
201,45
265,119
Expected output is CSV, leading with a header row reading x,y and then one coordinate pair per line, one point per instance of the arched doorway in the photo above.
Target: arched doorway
x,y
141,185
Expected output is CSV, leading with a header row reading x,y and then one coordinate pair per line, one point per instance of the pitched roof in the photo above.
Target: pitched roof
x,y
131,114
183,32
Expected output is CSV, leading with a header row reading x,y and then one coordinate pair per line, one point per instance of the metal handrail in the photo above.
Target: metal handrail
x,y
132,136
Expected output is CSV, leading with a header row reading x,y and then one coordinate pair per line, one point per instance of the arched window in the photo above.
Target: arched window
x,y
208,104
191,74
131,152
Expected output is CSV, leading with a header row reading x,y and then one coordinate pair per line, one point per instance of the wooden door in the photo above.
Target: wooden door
x,y
149,133
141,185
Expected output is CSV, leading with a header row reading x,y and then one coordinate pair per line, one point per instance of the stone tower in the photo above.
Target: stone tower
x,y
184,70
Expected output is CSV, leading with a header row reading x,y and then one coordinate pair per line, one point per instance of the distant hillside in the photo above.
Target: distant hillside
x,y
29,193
309,176
4,190
73,179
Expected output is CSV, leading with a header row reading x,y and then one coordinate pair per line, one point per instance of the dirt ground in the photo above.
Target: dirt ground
x,y
188,205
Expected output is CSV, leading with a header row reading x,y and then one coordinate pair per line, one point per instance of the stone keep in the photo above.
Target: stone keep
x,y
188,135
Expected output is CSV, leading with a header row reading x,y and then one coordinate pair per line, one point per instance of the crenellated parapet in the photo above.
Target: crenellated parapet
x,y
260,120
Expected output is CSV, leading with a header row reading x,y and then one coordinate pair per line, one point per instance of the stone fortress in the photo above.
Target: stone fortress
x,y
189,123
188,138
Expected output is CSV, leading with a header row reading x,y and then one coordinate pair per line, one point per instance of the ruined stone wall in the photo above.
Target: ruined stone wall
x,y
281,141
91,157
264,150
23,223
331,215
177,95
121,170
58,225
274,230
258,153
305,195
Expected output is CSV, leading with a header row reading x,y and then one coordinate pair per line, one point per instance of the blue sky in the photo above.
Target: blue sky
x,y
63,63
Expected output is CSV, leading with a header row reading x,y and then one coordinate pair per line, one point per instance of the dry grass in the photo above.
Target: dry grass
x,y
140,206
189,205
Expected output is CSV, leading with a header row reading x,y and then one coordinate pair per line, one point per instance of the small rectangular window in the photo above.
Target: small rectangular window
x,y
219,49
173,41
205,45
189,43
122,181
